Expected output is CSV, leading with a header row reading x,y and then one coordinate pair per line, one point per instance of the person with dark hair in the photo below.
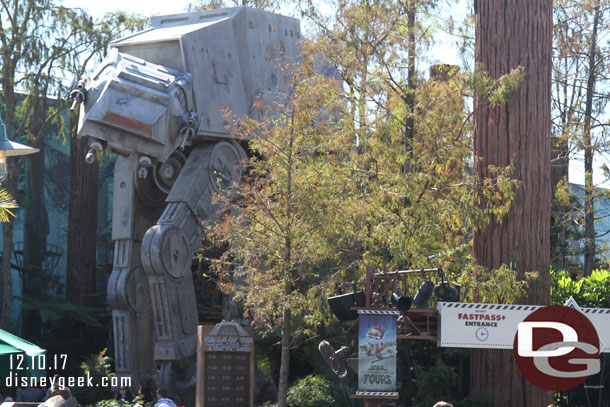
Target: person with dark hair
x,y
58,388
163,400
143,395
124,394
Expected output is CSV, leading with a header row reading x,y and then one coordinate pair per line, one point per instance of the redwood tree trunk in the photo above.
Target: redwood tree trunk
x,y
82,224
36,230
412,73
512,33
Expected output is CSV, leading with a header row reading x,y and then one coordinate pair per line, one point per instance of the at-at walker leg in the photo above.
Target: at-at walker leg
x,y
135,208
151,286
168,248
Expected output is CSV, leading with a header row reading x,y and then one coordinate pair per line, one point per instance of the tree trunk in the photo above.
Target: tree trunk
x,y
409,98
589,260
560,161
282,392
36,229
82,223
512,33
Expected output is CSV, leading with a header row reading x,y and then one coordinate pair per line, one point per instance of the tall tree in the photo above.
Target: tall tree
x,y
84,178
579,101
35,39
512,34
39,47
281,224
589,260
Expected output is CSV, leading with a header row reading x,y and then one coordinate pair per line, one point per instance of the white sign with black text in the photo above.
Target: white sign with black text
x,y
493,326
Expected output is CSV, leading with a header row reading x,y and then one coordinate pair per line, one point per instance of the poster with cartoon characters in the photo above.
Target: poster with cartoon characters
x,y
377,352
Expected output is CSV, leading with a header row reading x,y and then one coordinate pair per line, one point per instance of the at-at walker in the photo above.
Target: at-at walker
x,y
157,101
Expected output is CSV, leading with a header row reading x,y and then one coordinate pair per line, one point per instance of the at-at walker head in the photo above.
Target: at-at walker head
x,y
169,86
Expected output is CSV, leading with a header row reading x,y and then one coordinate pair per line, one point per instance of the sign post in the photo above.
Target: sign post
x,y
225,366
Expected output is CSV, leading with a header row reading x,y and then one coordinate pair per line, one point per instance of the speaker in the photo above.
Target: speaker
x,y
340,305
423,295
334,359
445,292
401,302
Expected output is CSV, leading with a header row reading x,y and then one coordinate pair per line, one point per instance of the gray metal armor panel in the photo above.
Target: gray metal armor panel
x,y
136,107
234,55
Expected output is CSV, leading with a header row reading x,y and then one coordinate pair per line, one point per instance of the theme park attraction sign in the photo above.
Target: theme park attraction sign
x,y
225,366
493,326
377,350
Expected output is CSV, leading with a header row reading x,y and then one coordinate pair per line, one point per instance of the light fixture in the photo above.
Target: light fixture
x,y
447,293
423,295
336,360
9,148
401,302
340,305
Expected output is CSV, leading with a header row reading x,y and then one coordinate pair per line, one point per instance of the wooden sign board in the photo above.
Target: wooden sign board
x,y
225,366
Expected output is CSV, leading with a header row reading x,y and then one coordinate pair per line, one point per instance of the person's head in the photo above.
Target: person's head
x,y
443,404
161,393
144,394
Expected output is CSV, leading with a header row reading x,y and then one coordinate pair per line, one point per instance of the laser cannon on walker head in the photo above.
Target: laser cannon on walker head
x,y
158,101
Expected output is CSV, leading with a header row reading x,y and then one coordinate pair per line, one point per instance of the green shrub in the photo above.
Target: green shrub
x,y
97,366
118,403
311,391
592,291
435,384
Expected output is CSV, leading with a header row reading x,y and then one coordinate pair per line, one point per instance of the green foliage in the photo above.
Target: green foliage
x,y
281,227
54,309
311,391
500,91
435,384
7,203
97,366
120,403
42,46
500,286
592,291
580,101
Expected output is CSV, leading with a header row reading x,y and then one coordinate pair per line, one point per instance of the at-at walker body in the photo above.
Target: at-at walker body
x,y
157,101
